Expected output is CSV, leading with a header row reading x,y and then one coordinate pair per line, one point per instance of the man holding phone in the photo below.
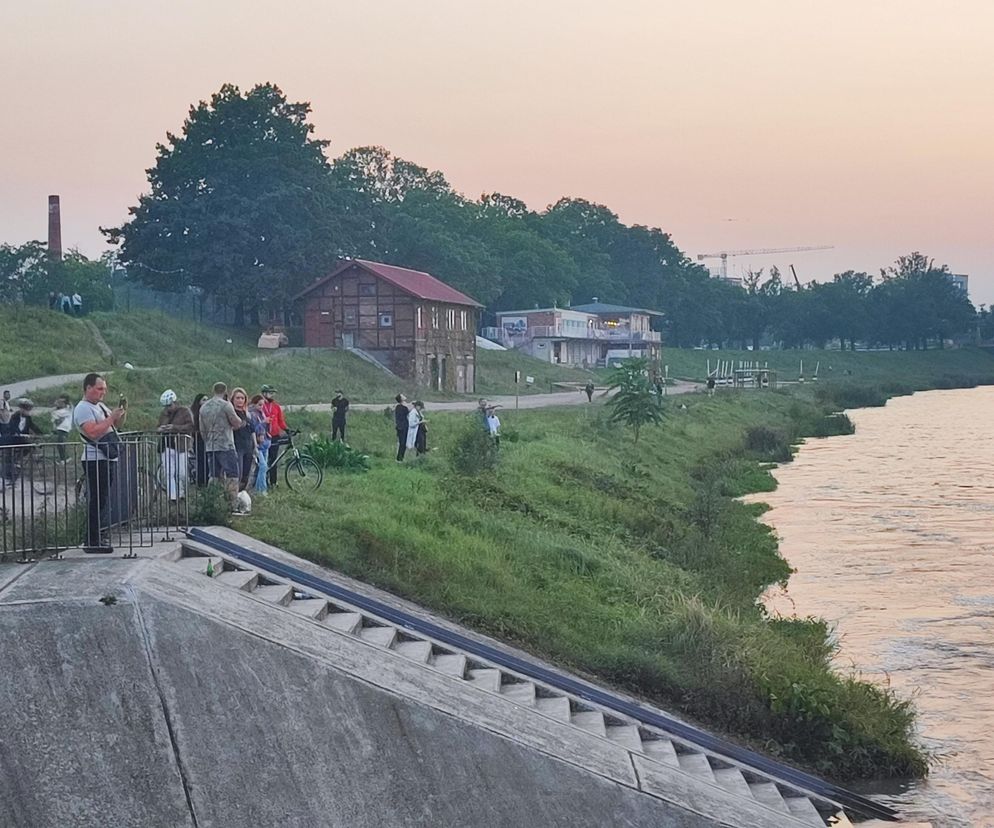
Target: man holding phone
x,y
97,425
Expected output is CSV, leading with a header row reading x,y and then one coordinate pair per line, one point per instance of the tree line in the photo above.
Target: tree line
x,y
245,206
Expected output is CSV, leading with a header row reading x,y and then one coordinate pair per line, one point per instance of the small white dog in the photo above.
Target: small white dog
x,y
243,504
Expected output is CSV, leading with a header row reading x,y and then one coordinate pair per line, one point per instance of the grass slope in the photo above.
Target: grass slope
x,y
39,342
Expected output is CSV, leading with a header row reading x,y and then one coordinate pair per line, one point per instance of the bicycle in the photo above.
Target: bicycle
x,y
302,472
25,463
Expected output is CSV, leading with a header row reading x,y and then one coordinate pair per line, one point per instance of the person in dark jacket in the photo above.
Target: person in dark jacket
x,y
340,407
198,441
400,412
17,436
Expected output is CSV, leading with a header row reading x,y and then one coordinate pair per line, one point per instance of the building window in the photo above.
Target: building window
x,y
421,321
386,320
367,290
434,317
450,319
462,320
350,317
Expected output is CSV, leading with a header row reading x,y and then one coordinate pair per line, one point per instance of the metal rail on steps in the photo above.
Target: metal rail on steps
x,y
807,783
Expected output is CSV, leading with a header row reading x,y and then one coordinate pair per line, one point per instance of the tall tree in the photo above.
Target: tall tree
x,y
239,203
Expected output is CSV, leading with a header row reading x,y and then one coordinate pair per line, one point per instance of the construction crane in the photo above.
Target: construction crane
x,y
764,251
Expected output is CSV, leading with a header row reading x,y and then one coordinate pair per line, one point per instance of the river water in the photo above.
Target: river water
x,y
891,531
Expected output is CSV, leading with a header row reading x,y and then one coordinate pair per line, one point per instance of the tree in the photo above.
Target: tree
x,y
635,404
240,203
22,271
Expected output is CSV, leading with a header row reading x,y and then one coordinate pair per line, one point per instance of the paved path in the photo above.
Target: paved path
x,y
24,387
525,401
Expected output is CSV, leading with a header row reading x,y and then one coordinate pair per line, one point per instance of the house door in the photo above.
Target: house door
x,y
348,339
434,373
470,378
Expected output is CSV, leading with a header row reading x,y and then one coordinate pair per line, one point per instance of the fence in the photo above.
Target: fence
x,y
52,498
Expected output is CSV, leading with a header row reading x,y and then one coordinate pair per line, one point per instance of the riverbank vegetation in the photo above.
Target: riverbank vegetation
x,y
632,563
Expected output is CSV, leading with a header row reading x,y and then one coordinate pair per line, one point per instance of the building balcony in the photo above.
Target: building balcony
x,y
512,338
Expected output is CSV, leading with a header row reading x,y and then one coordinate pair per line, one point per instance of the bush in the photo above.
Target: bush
x,y
473,449
768,443
330,454
209,506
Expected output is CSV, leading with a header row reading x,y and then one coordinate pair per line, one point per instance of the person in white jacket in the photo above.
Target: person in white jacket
x,y
62,420
417,431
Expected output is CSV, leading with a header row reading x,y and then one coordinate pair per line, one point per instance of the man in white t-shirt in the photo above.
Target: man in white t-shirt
x,y
77,304
95,422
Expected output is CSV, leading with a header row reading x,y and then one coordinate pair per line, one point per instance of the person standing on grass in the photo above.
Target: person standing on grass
x,y
400,415
62,422
77,303
417,429
710,385
273,413
493,425
5,411
198,442
589,391
97,426
218,422
260,427
66,304
340,407
175,420
245,442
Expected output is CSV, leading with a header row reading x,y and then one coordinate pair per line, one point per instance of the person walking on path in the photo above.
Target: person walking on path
x,y
77,303
273,413
174,421
711,385
97,425
400,415
245,437
589,391
62,423
340,407
218,422
417,430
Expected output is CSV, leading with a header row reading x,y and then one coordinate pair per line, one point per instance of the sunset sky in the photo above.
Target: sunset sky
x,y
729,123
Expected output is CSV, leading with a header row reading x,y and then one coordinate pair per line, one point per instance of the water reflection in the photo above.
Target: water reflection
x,y
890,531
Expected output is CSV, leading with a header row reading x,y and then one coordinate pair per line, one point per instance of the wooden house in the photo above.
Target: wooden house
x,y
414,324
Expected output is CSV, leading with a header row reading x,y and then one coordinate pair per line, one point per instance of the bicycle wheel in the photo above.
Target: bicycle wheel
x,y
303,474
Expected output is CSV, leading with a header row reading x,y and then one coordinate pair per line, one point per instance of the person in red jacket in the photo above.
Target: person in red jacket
x,y
273,413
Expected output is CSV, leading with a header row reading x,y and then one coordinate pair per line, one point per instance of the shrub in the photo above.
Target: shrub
x,y
768,443
330,454
209,506
473,450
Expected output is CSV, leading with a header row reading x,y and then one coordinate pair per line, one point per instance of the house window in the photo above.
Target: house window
x,y
450,319
367,290
434,317
386,320
462,320
350,317
421,321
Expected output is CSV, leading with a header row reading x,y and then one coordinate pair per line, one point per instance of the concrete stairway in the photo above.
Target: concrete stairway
x,y
735,792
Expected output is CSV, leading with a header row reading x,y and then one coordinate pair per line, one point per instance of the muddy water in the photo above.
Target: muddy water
x,y
891,531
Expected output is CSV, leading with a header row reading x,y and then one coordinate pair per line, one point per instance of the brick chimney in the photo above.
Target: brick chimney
x,y
54,229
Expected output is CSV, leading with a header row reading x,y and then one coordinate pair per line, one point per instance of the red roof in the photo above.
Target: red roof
x,y
415,282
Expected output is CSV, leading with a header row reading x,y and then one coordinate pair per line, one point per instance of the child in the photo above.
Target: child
x,y
493,425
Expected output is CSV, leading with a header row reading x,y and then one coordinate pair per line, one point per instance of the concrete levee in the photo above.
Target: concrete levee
x,y
143,712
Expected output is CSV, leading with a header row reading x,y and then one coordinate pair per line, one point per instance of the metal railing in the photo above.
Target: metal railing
x,y
55,496
509,337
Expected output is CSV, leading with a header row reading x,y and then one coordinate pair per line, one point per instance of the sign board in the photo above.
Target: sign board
x,y
529,380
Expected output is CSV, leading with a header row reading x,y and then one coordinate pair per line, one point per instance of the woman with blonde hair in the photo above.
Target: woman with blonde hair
x,y
245,442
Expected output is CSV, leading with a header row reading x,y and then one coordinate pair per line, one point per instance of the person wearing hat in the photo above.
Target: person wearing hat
x,y
273,413
175,420
340,406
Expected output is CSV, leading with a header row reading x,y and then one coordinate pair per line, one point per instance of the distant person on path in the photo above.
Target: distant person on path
x,y
340,407
218,422
589,390
198,441
5,411
277,428
77,304
97,425
62,423
245,437
658,384
175,420
417,429
493,425
66,304
400,415
710,385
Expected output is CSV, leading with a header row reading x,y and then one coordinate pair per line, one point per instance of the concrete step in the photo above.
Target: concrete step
x,y
316,608
520,692
195,563
243,579
590,720
419,651
731,779
696,764
803,809
626,735
555,707
767,793
485,678
662,751
380,636
346,622
281,594
449,663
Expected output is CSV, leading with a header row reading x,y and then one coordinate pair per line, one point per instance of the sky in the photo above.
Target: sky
x,y
862,124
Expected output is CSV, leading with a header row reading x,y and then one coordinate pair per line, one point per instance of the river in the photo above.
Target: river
x,y
891,534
